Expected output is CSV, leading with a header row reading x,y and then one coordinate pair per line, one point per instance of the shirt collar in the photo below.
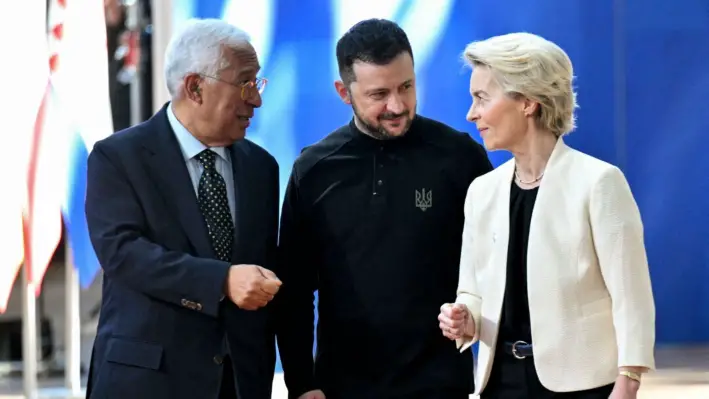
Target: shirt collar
x,y
189,145
358,136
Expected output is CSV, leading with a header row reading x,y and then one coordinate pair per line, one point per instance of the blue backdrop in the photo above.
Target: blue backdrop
x,y
643,80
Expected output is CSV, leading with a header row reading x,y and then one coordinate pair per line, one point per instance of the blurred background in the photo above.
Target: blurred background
x,y
81,69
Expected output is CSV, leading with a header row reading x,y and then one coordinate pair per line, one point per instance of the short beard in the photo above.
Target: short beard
x,y
379,132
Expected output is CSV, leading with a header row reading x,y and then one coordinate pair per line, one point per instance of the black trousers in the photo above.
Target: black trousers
x,y
440,393
228,388
513,378
437,394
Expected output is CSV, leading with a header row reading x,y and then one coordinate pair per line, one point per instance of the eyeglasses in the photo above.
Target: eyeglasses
x,y
248,89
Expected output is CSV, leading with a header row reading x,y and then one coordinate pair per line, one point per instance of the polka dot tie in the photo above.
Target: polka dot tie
x,y
214,206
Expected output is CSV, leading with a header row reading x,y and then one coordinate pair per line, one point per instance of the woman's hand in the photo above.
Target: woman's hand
x,y
455,321
625,388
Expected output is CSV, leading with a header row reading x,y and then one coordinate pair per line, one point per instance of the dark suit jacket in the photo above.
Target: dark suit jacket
x,y
162,325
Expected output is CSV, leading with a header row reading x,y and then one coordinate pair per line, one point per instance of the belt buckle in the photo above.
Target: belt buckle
x,y
514,349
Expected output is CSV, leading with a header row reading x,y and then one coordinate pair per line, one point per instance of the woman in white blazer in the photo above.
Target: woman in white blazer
x,y
554,279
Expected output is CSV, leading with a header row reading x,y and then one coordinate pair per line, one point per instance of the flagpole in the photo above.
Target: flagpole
x,y
135,26
29,335
72,335
163,22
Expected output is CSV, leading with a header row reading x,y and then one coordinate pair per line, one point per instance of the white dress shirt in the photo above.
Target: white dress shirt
x,y
190,147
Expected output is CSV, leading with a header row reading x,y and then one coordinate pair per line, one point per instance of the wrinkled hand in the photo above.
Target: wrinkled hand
x,y
251,287
455,321
625,388
316,394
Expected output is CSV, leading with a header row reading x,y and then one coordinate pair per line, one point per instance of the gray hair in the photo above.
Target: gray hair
x,y
198,47
527,64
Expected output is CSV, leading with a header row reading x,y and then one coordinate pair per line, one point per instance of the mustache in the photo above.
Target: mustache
x,y
391,116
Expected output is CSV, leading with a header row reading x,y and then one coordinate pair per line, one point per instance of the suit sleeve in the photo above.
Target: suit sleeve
x,y
484,165
294,302
468,293
474,157
618,237
273,200
117,224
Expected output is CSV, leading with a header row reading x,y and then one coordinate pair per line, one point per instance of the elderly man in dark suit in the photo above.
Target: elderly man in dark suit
x,y
183,214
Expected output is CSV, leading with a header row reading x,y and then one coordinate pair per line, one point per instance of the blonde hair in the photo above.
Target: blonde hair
x,y
531,66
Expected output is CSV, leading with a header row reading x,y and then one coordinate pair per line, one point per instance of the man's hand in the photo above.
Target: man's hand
x,y
455,321
625,388
316,394
251,287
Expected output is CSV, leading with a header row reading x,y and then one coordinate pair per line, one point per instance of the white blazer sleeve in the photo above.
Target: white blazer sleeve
x,y
468,293
618,238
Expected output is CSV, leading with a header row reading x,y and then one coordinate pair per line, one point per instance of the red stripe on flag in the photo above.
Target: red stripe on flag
x,y
58,31
53,62
31,179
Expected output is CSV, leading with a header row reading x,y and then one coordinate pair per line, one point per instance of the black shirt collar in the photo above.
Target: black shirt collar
x,y
359,137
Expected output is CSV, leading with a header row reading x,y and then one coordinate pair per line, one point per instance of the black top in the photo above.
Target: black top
x,y
515,309
376,227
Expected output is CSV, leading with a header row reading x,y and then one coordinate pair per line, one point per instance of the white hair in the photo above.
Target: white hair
x,y
531,66
198,47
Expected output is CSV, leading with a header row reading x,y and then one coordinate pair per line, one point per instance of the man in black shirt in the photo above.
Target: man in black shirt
x,y
372,219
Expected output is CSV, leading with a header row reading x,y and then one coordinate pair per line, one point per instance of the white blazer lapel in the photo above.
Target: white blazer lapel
x,y
550,195
495,272
501,233
546,236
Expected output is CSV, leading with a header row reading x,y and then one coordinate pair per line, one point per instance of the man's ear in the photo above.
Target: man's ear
x,y
192,87
343,92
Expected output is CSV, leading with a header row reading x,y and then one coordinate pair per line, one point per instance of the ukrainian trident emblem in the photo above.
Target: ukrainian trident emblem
x,y
424,199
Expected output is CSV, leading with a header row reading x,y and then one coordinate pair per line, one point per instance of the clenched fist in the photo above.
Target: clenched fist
x,y
455,321
317,394
251,287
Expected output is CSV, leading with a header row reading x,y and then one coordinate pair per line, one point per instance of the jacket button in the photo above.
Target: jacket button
x,y
218,359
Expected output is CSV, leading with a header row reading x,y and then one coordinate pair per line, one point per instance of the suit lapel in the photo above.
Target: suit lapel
x,y
239,161
501,235
498,239
545,216
167,169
